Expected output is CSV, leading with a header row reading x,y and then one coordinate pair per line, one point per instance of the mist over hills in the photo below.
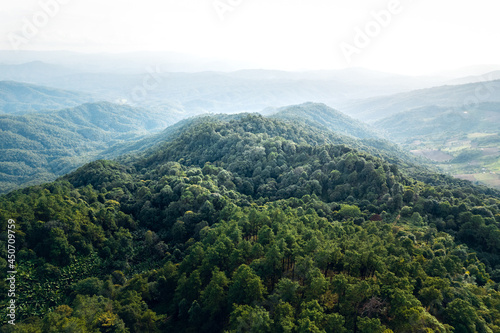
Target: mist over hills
x,y
443,96
210,90
169,97
34,71
487,76
150,81
131,62
440,122
16,97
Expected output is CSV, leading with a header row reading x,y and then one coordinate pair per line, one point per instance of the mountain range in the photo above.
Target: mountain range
x,y
16,97
450,96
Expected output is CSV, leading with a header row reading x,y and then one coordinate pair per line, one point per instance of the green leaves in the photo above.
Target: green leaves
x,y
246,287
250,319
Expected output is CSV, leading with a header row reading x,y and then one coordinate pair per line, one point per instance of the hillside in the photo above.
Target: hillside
x,y
450,96
317,122
17,97
254,224
320,115
38,147
441,123
46,145
463,141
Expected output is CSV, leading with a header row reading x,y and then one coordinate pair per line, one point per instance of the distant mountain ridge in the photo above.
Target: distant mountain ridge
x,y
490,76
18,97
437,121
464,141
248,90
444,96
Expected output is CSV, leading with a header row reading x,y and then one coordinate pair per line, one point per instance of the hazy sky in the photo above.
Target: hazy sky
x,y
416,37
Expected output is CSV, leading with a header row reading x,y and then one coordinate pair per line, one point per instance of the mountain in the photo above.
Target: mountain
x,y
328,125
38,147
463,140
444,96
17,97
253,224
320,115
241,91
153,81
440,122
468,71
51,144
489,76
131,62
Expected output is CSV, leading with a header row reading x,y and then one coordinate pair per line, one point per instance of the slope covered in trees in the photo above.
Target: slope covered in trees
x,y
309,122
321,115
38,147
254,225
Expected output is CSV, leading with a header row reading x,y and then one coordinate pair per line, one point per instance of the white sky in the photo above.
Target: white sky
x,y
426,36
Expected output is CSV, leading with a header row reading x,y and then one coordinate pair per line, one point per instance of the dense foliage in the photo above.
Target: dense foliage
x,y
38,147
254,225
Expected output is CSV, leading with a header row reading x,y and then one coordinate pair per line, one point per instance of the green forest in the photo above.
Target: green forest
x,y
39,147
251,224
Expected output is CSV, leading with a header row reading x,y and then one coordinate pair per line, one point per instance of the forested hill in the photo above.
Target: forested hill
x,y
295,122
39,147
321,115
18,97
254,225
